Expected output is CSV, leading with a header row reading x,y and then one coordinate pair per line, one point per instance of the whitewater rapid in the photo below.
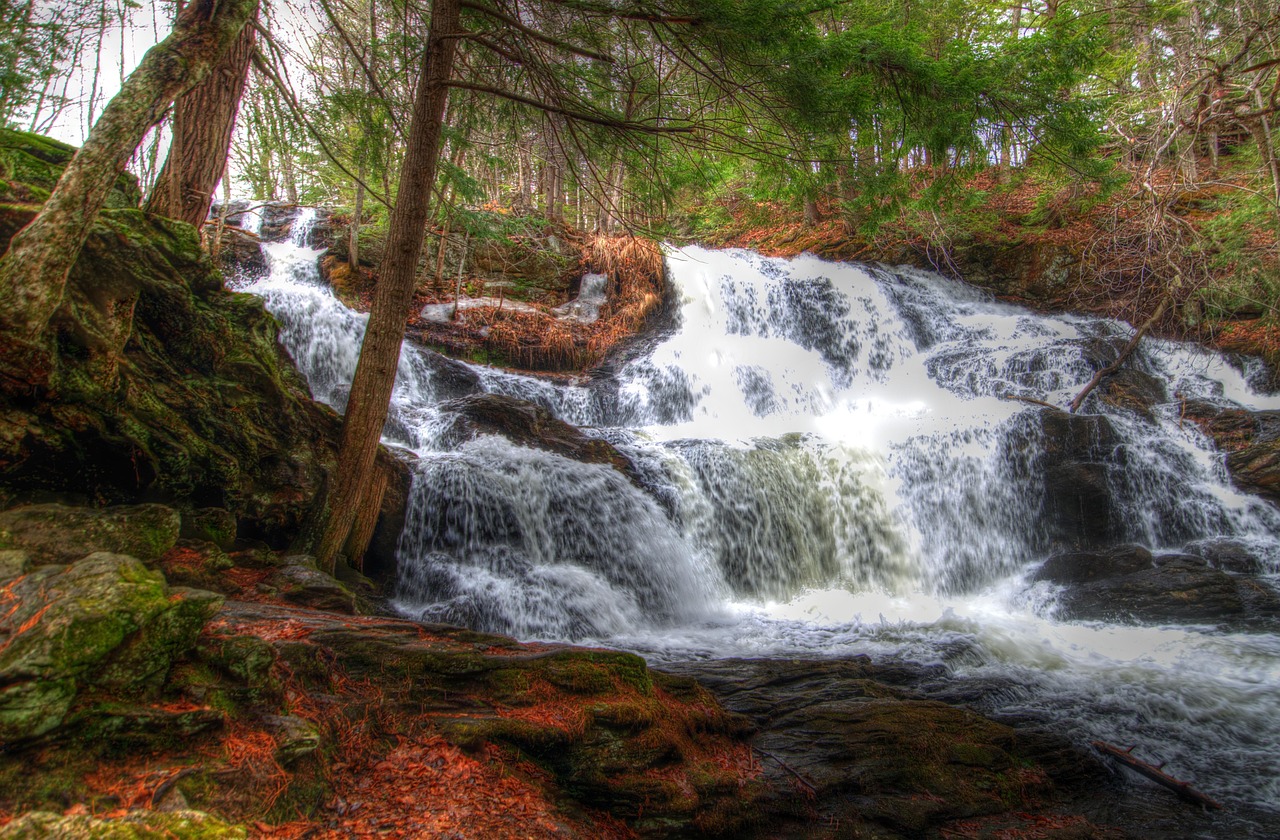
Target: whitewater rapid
x,y
832,464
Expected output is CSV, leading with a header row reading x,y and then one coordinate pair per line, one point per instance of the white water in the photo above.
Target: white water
x,y
829,469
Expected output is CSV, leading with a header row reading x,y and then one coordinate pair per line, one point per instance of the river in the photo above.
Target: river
x,y
835,462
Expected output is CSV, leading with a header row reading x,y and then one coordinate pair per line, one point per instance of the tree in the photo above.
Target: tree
x,y
204,119
380,352
33,272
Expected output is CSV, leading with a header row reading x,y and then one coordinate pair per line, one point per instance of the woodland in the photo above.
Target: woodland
x,y
200,557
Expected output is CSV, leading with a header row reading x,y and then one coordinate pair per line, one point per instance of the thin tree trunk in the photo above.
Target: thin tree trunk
x,y
204,118
33,272
380,353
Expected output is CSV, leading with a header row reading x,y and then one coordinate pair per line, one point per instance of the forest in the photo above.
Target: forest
x,y
639,418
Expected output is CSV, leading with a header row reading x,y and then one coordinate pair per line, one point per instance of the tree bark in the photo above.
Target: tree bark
x,y
204,119
33,272
380,352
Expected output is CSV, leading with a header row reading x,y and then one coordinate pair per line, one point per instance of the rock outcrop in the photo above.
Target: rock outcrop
x,y
169,388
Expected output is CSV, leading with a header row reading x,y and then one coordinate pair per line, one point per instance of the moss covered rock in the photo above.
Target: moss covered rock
x,y
55,533
168,387
30,166
104,621
136,825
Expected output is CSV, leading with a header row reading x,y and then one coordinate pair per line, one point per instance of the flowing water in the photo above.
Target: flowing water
x,y
831,465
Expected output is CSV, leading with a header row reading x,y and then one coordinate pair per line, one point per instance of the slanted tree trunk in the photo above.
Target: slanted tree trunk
x,y
380,353
33,272
204,119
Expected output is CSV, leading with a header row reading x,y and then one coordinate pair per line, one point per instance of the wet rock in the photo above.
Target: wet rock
x,y
60,534
104,621
1229,555
1128,584
1085,566
1133,390
450,378
1251,441
136,825
239,255
528,424
1080,454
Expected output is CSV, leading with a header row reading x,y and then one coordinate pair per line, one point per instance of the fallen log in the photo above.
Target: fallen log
x,y
1155,774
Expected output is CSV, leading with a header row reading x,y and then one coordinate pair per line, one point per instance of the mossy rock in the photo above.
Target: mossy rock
x,y
30,166
104,621
136,825
54,533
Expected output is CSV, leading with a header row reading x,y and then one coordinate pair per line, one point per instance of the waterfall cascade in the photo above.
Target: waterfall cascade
x,y
834,460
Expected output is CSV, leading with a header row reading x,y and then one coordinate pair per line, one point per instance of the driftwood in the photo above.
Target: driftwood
x,y
1120,360
1155,774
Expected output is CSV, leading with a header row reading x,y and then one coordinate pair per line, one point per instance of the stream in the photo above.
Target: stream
x,y
831,464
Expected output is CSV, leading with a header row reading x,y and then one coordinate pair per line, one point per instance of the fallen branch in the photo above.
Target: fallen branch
x,y
813,791
1155,774
1120,360
1031,400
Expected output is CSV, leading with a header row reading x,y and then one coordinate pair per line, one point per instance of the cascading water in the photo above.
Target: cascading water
x,y
836,461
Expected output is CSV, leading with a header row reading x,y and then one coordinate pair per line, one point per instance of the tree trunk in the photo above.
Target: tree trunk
x,y
33,273
380,352
204,119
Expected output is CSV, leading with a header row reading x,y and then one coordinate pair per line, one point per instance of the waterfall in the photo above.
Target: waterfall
x,y
834,459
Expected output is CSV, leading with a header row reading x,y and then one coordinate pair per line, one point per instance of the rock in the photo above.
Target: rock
x,y
295,737
878,760
204,407
13,563
240,256
1128,584
1080,453
528,424
306,586
60,534
450,378
1085,566
30,166
136,825
216,525
1229,555
199,564
1133,390
1251,441
104,621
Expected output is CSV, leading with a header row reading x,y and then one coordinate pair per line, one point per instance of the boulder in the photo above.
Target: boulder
x,y
531,425
1129,584
1229,555
299,582
104,621
55,533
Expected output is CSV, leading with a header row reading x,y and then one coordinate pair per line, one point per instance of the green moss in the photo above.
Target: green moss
x,y
137,825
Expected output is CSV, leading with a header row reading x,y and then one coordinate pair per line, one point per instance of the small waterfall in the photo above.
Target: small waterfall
x,y
834,459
